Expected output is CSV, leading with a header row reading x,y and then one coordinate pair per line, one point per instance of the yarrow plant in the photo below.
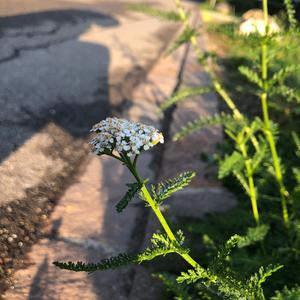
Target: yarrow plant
x,y
125,137
125,141
256,154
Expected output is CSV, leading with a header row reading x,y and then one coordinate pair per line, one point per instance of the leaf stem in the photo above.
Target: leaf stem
x,y
252,190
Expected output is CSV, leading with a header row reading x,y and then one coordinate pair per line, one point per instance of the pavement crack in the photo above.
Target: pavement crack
x,y
17,52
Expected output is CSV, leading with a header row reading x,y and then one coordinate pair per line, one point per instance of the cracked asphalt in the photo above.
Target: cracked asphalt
x,y
70,63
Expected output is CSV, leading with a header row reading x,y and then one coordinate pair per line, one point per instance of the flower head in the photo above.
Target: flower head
x,y
123,136
258,26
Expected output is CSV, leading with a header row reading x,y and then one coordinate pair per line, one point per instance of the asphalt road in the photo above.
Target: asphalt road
x,y
70,62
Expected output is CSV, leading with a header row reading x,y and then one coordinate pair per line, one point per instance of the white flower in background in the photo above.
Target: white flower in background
x,y
257,26
253,22
124,136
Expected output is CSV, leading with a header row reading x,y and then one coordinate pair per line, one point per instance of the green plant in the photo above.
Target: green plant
x,y
256,153
124,141
249,137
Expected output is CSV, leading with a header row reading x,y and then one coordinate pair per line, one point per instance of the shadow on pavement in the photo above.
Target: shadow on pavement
x,y
64,80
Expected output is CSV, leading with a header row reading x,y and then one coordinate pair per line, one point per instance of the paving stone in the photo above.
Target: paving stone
x,y
86,227
50,147
41,280
197,202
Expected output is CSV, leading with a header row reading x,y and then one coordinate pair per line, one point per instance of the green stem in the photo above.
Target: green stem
x,y
221,91
236,113
252,190
157,211
216,84
267,126
164,224
275,158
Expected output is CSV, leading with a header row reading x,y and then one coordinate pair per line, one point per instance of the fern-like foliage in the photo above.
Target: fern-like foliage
x,y
160,245
155,12
105,264
183,94
251,75
183,38
198,124
224,252
259,156
171,285
283,73
235,161
296,139
193,275
239,175
287,294
289,94
164,190
255,282
254,235
224,281
133,189
217,277
290,10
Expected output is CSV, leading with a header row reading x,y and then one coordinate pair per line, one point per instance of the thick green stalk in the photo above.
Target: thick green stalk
x,y
267,126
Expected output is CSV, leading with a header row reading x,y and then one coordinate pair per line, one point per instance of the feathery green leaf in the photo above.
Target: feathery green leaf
x,y
263,273
105,264
161,245
164,190
296,139
291,13
289,94
259,156
133,189
183,94
199,273
254,235
283,73
242,180
155,12
183,38
231,162
198,124
171,284
287,294
251,75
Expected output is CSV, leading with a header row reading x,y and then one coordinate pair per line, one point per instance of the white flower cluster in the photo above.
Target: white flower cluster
x,y
253,22
124,136
257,26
